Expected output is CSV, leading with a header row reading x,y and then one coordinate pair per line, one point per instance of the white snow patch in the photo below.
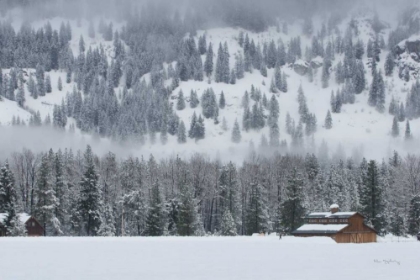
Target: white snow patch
x,y
205,258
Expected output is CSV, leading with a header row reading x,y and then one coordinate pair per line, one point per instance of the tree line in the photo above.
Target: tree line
x,y
83,194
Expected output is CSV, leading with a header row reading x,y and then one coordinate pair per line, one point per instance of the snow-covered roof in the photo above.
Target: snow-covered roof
x,y
23,217
334,206
318,228
331,215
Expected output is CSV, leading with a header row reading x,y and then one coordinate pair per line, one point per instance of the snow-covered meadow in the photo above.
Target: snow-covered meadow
x,y
205,258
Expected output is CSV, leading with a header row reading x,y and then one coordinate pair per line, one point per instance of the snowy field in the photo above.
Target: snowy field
x,y
205,258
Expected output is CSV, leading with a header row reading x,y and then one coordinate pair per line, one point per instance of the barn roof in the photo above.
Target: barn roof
x,y
331,215
319,228
23,217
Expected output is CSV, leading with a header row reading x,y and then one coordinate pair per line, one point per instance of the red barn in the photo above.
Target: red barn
x,y
33,227
343,227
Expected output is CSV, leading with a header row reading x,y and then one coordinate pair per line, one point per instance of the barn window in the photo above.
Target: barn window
x,y
33,224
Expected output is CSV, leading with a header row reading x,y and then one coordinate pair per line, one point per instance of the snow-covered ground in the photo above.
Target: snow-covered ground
x,y
204,258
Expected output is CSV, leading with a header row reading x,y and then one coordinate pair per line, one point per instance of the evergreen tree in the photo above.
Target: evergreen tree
x,y
107,227
222,101
393,107
401,113
20,96
257,217
194,99
326,72
236,133
408,135
187,217
414,215
180,105
227,227
193,125
181,135
89,208
200,129
292,209
208,64
372,197
389,64
232,77
274,110
284,87
47,203
59,84
328,120
155,221
8,199
395,132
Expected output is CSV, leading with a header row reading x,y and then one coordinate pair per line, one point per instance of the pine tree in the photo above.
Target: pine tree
x,y
374,89
372,197
60,84
408,135
389,64
284,87
257,217
89,205
200,129
274,108
181,135
326,72
8,198
273,88
193,125
395,132
393,107
222,101
401,113
187,217
180,105
194,99
20,96
328,120
107,227
208,64
47,204
292,209
227,227
155,221
232,77
236,133
414,215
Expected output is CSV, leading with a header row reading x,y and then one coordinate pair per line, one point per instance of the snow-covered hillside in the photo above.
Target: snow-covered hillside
x,y
359,128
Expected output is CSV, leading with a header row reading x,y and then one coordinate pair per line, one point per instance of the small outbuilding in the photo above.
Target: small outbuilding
x,y
343,227
33,227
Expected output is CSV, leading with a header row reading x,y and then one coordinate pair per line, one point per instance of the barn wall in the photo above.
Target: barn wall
x,y
356,237
33,228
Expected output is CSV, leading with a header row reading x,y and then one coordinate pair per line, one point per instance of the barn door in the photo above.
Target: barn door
x,y
359,238
353,238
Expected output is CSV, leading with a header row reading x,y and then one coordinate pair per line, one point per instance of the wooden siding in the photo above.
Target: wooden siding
x,y
33,227
355,232
355,237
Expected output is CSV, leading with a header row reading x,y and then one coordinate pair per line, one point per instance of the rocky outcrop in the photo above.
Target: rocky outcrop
x,y
301,67
410,45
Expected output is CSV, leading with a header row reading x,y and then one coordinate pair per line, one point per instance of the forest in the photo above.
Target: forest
x,y
81,194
